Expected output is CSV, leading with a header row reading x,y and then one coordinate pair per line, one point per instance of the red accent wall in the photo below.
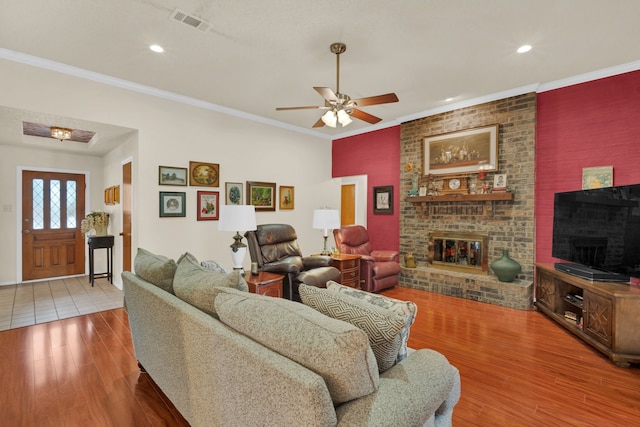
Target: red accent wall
x,y
586,125
377,155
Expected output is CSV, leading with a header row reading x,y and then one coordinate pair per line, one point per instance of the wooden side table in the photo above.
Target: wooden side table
x,y
100,242
265,283
349,266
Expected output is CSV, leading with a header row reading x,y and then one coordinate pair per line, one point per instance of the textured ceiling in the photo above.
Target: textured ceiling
x,y
261,55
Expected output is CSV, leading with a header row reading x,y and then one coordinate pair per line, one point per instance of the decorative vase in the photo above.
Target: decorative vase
x,y
101,231
506,268
409,261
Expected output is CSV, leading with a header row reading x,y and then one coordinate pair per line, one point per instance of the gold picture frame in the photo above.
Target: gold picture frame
x,y
461,152
203,174
287,197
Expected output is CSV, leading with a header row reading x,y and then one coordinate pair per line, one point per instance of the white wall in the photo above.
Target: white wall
x,y
170,134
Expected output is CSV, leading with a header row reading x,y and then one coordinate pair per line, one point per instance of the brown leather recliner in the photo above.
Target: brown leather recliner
x,y
379,269
275,248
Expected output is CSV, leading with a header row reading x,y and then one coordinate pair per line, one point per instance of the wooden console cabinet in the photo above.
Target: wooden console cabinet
x,y
607,315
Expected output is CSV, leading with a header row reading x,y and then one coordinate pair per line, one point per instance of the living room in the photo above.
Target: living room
x,y
587,121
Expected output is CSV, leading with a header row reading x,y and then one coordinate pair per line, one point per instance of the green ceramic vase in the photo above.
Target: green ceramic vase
x,y
506,268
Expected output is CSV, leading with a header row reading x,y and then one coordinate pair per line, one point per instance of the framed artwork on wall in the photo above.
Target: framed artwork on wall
x,y
461,152
287,200
233,193
383,200
208,205
169,175
204,174
597,177
172,204
262,195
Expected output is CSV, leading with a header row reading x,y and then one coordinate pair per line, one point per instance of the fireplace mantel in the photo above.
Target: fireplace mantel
x,y
461,198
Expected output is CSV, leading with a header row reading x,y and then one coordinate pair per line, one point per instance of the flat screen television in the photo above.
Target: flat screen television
x,y
597,233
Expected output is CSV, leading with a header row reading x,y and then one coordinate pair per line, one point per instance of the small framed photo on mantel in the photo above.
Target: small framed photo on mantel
x,y
499,183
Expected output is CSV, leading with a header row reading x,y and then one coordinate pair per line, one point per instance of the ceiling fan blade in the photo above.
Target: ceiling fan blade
x,y
319,123
374,100
369,118
327,93
310,107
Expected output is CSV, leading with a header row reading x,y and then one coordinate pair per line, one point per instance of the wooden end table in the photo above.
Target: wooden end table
x,y
265,283
349,266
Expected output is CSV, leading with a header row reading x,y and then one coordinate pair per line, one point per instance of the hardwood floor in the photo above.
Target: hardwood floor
x,y
518,369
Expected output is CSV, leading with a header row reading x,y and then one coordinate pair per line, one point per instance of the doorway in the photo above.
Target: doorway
x,y
126,216
53,206
353,200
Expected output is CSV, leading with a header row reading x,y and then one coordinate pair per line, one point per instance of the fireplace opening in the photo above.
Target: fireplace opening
x,y
458,251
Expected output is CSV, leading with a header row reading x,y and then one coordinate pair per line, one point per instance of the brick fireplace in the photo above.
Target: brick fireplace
x,y
495,224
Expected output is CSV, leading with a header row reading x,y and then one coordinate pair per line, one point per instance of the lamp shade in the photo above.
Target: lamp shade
x,y
329,118
237,218
326,219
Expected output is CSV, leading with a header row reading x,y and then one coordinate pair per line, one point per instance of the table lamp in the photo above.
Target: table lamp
x,y
325,220
237,218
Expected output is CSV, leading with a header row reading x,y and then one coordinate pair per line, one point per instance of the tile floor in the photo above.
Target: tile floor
x,y
38,302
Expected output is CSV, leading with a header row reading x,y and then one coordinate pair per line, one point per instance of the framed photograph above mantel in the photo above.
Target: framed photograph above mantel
x,y
461,152
262,195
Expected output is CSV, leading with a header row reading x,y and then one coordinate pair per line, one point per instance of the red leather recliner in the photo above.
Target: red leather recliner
x,y
379,269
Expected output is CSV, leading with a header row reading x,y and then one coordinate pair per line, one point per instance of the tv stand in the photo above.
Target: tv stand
x,y
605,315
588,273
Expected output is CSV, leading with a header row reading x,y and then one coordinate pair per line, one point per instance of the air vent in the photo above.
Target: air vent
x,y
190,20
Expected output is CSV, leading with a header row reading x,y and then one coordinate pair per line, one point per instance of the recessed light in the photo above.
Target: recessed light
x,y
156,48
449,99
524,48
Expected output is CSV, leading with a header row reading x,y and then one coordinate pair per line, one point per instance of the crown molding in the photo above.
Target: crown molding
x,y
147,90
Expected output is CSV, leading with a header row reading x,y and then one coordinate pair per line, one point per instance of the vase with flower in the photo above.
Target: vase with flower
x,y
96,221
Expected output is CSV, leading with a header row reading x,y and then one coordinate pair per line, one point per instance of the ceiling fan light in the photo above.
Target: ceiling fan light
x,y
329,119
343,118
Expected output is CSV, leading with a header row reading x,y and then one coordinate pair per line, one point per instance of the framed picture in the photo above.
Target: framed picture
x,y
168,175
108,196
461,152
262,195
116,195
500,181
597,177
233,193
204,174
172,204
383,200
287,200
208,205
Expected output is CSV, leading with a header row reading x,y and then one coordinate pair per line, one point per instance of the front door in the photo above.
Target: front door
x,y
52,209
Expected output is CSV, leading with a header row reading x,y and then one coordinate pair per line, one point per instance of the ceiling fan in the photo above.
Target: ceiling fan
x,y
340,107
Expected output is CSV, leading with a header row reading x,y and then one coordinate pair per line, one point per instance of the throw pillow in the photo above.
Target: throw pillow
x,y
156,269
381,325
335,350
195,284
212,265
406,309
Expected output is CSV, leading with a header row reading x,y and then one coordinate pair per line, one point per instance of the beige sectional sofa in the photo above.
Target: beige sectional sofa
x,y
235,358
